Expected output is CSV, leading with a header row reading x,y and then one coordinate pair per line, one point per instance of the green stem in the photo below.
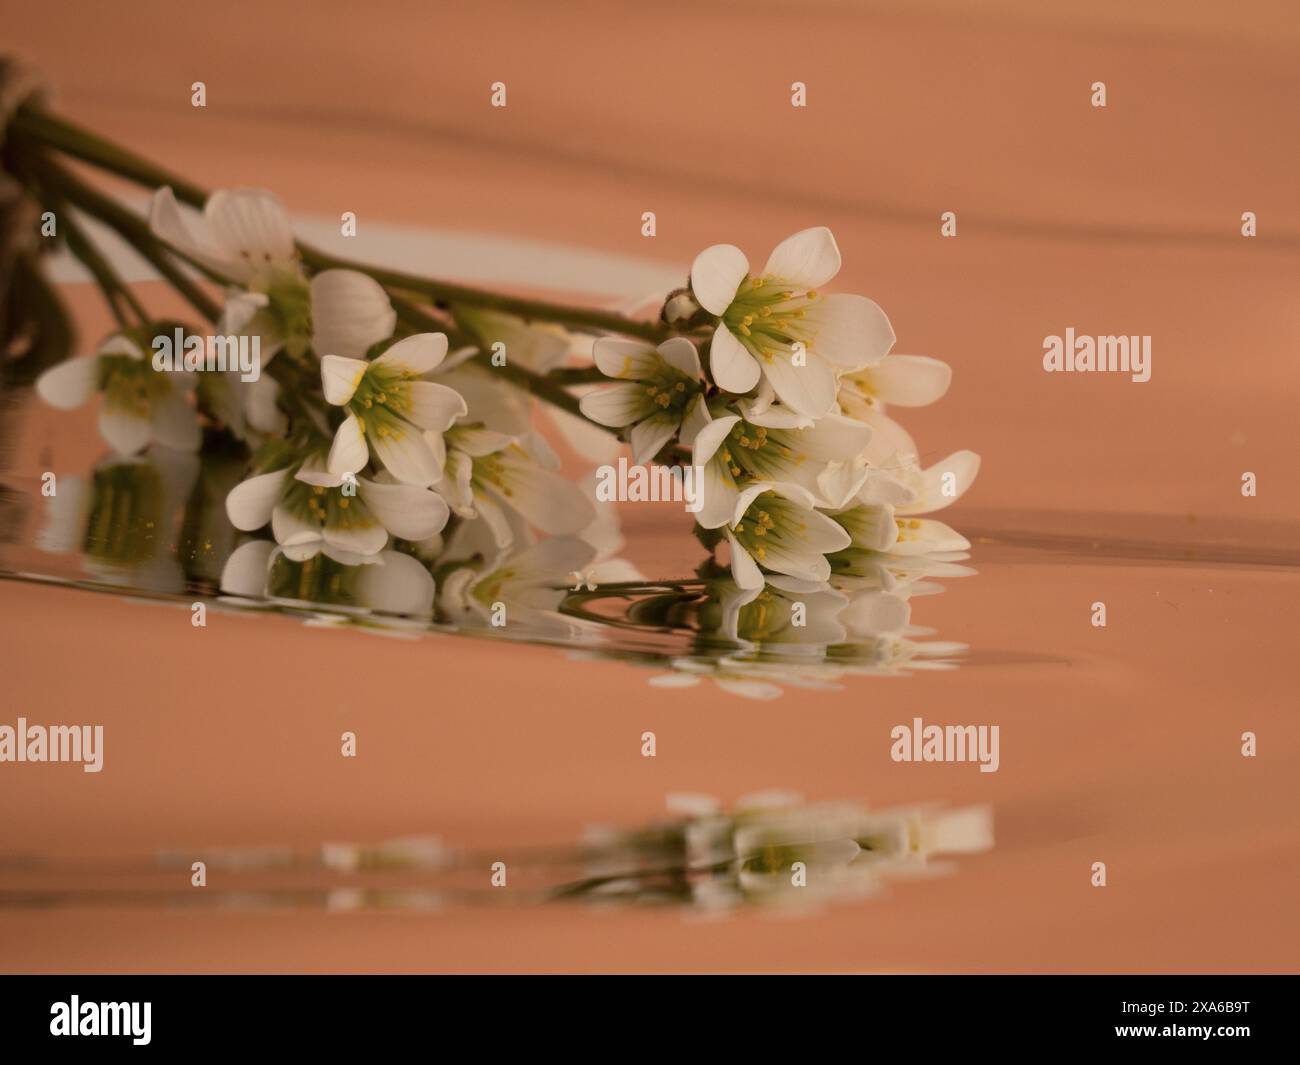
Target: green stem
x,y
108,280
86,146
538,385
130,228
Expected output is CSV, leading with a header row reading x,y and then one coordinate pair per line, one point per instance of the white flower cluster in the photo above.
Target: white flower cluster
x,y
372,443
800,460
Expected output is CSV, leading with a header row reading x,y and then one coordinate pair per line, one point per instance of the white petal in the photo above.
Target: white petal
x,y
937,490
292,531
550,501
348,453
927,535
407,456
682,356
808,389
649,435
250,226
808,259
833,438
849,331
167,222
631,360
239,311
350,312
744,570
695,419
246,569
617,405
910,380
416,354
406,511
400,585
125,433
356,539
733,367
175,424
877,614
710,438
315,471
262,408
250,503
478,442
891,445
71,383
720,493
435,406
716,274
774,415
117,344
872,527
340,377
589,441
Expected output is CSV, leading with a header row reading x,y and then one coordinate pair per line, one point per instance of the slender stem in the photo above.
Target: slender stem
x,y
86,146
108,280
131,229
536,384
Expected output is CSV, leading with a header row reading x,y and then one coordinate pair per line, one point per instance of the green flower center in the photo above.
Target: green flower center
x,y
289,308
671,391
758,452
382,401
769,319
131,386
770,521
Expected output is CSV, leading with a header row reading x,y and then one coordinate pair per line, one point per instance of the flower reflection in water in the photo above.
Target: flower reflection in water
x,y
156,524
771,850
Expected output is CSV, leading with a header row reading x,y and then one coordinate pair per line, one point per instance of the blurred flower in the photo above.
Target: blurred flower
x,y
244,235
141,405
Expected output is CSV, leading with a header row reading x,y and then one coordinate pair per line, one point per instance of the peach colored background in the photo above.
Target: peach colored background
x,y
1119,745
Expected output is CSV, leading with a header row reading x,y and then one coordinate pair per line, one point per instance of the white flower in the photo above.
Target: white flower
x,y
531,584
308,507
124,519
776,528
393,582
775,444
877,528
141,405
662,391
913,490
245,236
764,317
392,414
495,477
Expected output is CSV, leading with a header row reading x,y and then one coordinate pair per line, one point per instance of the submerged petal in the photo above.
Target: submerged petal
x,y
250,503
